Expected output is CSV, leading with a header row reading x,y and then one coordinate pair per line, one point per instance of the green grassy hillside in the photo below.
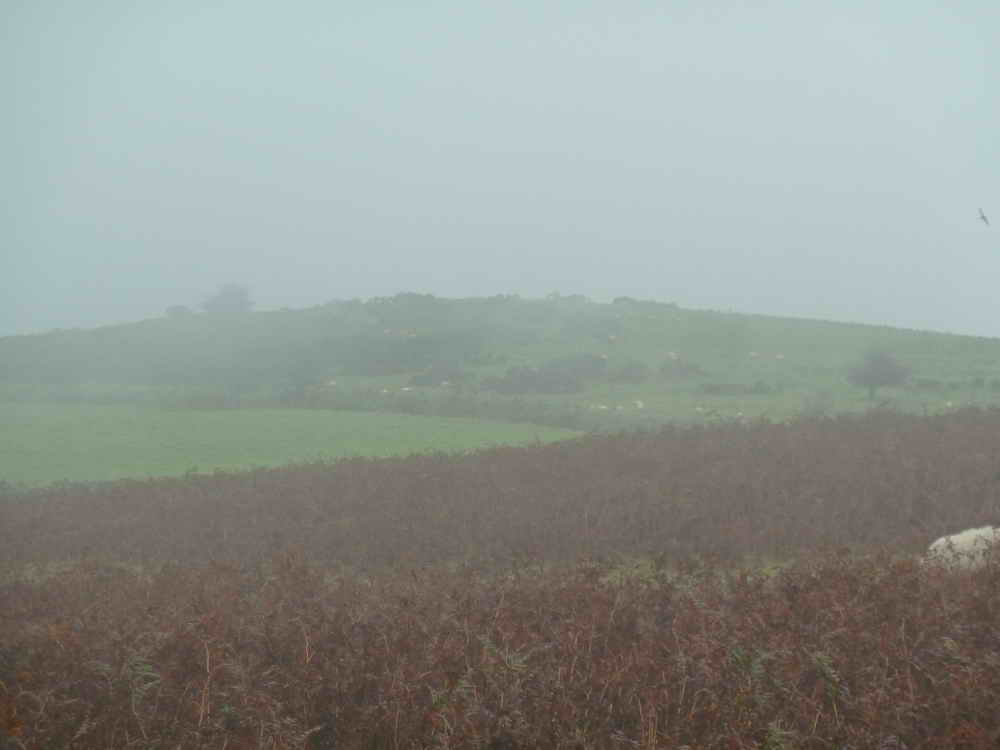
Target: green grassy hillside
x,y
560,360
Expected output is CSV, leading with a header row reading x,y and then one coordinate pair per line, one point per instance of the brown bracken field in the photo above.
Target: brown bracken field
x,y
736,586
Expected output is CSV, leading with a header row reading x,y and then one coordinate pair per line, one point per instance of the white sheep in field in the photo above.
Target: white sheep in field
x,y
969,549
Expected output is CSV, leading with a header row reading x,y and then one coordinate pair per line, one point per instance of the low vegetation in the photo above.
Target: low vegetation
x,y
575,363
838,652
744,571
733,492
609,591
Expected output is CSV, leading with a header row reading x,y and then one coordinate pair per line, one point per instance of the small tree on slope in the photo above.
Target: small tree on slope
x,y
876,369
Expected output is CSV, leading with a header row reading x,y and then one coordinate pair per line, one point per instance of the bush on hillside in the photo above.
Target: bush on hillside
x,y
586,366
534,380
928,384
603,328
440,374
757,388
632,372
877,368
412,311
392,352
679,369
231,298
562,375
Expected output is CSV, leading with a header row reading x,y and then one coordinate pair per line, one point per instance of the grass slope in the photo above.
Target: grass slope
x,y
42,442
374,349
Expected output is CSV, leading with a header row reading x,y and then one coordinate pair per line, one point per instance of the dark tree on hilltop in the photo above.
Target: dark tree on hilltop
x,y
876,369
231,298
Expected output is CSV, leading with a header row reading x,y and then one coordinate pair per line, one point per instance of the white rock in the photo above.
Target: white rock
x,y
969,549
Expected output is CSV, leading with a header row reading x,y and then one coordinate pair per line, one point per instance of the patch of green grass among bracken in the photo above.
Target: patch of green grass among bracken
x,y
42,443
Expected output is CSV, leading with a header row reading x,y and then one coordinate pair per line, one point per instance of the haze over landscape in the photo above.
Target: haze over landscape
x,y
564,375
823,160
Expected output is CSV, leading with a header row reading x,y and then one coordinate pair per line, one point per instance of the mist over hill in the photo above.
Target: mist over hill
x,y
602,357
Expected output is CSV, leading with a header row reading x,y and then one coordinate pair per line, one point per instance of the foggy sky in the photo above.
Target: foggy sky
x,y
818,159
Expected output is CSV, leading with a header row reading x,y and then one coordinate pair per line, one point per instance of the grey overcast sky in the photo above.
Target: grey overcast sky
x,y
811,158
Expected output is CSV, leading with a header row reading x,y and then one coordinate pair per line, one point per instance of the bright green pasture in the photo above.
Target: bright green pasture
x,y
43,442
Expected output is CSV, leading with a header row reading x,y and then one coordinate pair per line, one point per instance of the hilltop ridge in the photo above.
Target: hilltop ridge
x,y
626,355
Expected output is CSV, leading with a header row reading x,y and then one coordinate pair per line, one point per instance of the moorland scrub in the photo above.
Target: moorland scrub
x,y
740,585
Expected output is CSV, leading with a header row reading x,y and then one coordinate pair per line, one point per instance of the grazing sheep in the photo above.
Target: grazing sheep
x,y
968,549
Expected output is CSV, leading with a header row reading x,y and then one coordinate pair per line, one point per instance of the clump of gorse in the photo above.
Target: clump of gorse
x,y
969,549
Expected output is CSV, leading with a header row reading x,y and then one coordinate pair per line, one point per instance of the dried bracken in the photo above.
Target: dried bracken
x,y
838,652
480,602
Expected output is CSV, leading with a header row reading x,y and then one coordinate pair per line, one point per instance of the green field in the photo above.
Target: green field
x,y
412,373
42,443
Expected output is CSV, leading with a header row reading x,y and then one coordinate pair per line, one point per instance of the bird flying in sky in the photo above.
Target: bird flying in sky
x,y
982,218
